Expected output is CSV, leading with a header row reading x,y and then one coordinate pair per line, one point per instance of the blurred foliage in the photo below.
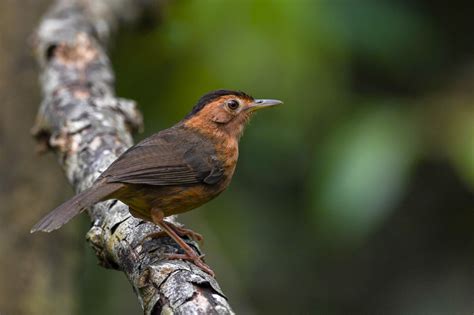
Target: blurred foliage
x,y
373,91
363,169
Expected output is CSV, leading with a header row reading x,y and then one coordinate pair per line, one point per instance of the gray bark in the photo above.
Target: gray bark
x,y
88,127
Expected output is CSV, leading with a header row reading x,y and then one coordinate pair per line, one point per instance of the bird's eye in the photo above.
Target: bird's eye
x,y
233,104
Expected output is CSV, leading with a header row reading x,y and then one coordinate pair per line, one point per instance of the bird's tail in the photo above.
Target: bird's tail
x,y
65,212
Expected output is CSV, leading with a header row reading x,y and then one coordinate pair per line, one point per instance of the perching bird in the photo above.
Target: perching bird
x,y
174,170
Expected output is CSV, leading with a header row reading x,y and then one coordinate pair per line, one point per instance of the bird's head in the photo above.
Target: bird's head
x,y
225,112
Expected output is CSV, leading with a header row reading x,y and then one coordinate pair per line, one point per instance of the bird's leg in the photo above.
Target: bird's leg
x,y
157,216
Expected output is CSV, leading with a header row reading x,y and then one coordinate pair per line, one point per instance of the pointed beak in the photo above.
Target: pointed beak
x,y
259,104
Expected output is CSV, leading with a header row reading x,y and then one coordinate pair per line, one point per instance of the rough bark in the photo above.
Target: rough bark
x,y
88,127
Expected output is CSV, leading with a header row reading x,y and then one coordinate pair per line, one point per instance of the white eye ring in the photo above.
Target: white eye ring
x,y
233,105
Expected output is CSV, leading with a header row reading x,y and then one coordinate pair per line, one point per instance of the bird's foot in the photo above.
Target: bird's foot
x,y
174,232
197,260
184,232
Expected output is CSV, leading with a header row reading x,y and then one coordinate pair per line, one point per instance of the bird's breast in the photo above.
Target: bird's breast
x,y
228,154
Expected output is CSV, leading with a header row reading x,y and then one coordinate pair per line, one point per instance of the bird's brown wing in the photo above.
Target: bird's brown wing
x,y
173,157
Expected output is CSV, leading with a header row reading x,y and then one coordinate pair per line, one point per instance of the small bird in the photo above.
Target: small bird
x,y
173,171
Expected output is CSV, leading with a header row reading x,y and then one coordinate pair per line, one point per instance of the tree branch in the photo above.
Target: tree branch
x,y
88,127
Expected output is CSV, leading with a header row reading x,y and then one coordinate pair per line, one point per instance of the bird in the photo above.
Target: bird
x,y
173,171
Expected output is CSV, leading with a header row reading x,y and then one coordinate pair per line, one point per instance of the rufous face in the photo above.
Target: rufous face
x,y
229,114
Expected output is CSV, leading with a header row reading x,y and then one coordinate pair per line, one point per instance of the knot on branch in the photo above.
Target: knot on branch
x,y
95,237
77,54
65,24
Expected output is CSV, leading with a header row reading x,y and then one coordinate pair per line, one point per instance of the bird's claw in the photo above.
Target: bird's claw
x,y
181,231
197,260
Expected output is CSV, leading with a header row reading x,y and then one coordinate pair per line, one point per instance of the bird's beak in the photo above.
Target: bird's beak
x,y
259,104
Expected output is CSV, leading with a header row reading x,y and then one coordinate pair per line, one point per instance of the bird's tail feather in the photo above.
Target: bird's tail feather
x,y
65,212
